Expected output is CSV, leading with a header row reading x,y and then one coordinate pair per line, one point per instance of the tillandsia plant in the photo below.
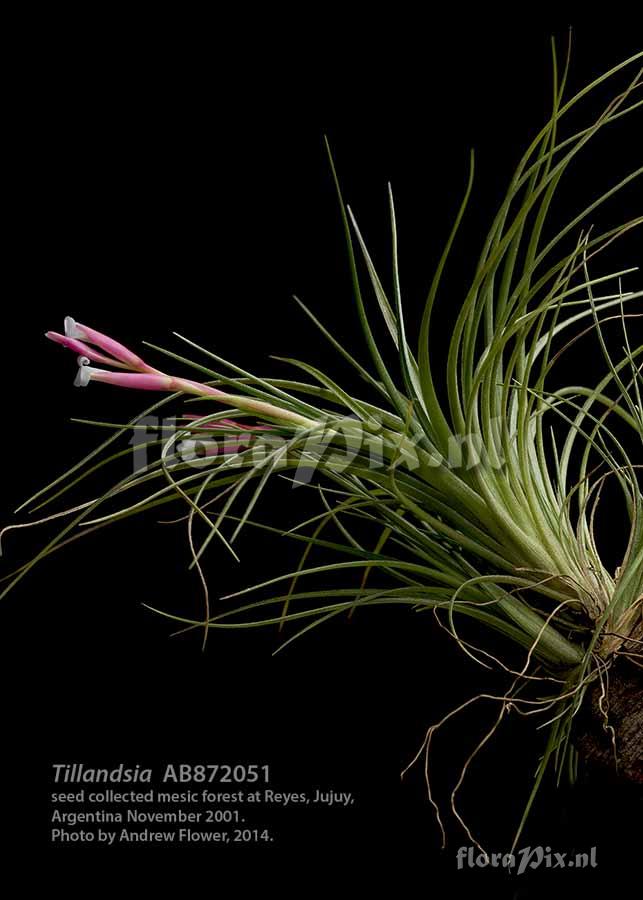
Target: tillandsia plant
x,y
482,481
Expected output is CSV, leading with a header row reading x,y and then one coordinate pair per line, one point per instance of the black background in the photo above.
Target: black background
x,y
168,177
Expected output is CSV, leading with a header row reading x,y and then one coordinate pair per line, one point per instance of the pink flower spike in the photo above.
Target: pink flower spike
x,y
76,331
142,382
83,349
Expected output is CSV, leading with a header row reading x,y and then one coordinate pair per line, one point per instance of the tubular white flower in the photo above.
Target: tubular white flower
x,y
84,373
71,329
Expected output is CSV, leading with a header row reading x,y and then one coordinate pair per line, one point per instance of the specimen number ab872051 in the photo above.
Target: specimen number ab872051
x,y
214,772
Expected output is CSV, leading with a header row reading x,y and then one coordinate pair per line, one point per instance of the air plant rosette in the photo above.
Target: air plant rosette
x,y
482,480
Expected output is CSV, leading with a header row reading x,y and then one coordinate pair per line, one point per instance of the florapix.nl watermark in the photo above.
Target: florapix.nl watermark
x,y
526,859
336,443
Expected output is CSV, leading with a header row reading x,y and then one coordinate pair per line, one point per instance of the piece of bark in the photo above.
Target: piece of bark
x,y
624,705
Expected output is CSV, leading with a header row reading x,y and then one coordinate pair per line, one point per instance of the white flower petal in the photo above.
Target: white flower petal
x,y
71,329
84,373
